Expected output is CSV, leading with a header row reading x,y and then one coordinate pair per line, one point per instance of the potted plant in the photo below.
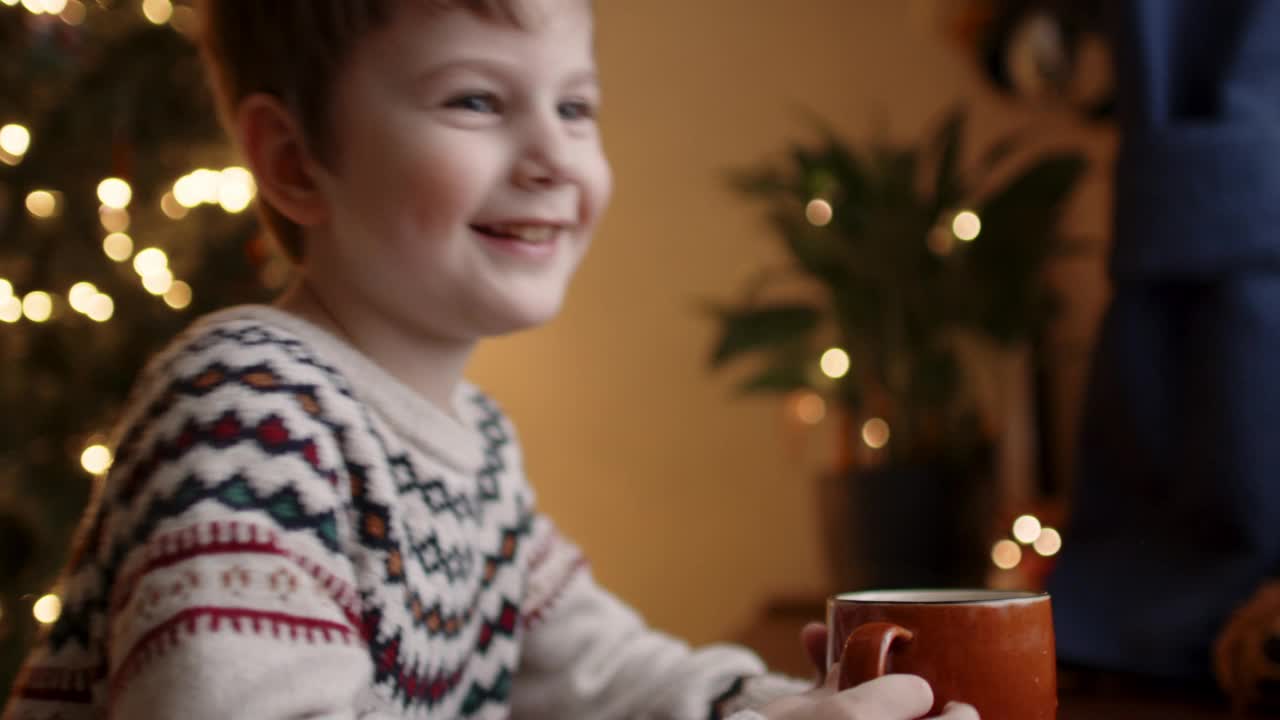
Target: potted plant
x,y
903,262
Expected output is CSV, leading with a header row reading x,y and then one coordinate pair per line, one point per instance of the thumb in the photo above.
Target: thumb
x,y
832,680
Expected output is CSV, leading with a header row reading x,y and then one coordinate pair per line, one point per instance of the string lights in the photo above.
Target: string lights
x,y
42,204
51,298
178,296
819,212
231,188
1006,554
80,294
96,459
115,193
157,12
15,140
875,433
10,305
72,12
1027,530
835,363
966,226
100,308
47,609
37,306
808,407
113,220
44,7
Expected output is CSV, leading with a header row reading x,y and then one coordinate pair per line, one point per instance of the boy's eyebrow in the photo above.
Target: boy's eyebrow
x,y
577,77
584,77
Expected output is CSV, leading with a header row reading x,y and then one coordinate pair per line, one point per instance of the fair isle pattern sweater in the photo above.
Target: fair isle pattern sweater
x,y
289,532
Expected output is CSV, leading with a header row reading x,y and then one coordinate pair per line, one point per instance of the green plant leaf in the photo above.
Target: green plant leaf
x,y
817,177
1030,203
751,329
805,160
784,373
763,181
850,179
1019,233
843,165
998,151
948,188
892,181
815,250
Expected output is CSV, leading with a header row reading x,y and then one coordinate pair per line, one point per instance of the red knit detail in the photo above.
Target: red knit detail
x,y
311,454
543,550
227,428
187,623
342,592
535,615
57,684
231,537
272,432
507,621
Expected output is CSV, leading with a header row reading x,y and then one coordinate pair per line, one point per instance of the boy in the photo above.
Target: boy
x,y
311,514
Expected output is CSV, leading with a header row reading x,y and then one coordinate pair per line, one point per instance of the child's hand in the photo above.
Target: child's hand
x,y
814,638
892,697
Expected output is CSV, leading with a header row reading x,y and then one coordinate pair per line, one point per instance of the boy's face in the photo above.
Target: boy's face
x,y
468,173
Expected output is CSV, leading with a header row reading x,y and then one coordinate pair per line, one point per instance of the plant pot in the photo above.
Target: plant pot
x,y
907,526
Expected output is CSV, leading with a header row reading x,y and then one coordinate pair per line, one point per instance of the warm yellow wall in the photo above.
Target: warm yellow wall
x,y
695,505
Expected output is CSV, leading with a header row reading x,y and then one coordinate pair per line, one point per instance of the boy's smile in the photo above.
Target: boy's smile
x,y
533,239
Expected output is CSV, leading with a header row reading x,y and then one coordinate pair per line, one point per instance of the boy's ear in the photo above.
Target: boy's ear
x,y
276,150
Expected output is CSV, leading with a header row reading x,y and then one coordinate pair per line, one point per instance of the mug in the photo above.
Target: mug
x,y
989,648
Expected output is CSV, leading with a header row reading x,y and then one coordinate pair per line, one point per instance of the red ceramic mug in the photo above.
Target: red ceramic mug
x,y
989,648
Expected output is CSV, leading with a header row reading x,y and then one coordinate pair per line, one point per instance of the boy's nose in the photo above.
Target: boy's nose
x,y
538,171
544,158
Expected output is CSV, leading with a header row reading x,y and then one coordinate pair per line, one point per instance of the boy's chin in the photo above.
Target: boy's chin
x,y
527,315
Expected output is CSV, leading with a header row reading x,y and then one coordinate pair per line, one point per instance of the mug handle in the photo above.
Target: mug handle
x,y
866,652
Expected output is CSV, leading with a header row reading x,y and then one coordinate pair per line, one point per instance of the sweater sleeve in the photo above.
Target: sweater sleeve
x,y
236,598
588,655
213,581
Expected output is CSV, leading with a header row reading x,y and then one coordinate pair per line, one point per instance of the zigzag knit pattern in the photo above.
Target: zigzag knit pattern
x,y
287,531
260,513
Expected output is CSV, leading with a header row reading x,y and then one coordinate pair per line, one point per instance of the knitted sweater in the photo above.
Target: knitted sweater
x,y
289,532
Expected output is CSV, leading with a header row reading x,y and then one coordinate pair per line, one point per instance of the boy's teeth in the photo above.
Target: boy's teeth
x,y
525,233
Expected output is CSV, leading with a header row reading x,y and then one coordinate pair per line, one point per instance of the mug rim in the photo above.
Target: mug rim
x,y
938,596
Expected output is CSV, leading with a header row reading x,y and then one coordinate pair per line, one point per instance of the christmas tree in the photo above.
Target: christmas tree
x,y
122,217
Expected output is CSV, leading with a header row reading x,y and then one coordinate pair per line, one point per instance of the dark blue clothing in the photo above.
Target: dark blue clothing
x,y
1176,513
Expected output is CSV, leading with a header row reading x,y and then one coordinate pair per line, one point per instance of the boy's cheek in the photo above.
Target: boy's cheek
x,y
601,187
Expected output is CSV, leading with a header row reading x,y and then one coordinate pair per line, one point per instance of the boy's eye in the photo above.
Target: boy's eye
x,y
576,110
476,102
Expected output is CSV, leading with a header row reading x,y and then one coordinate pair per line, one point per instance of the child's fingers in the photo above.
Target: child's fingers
x,y
832,680
814,638
958,711
892,697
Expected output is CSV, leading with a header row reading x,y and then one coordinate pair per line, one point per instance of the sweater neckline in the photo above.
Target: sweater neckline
x,y
415,418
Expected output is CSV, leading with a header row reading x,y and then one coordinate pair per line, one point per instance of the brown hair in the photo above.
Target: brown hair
x,y
294,51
